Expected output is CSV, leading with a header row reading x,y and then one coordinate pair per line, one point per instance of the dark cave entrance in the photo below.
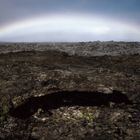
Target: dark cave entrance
x,y
67,98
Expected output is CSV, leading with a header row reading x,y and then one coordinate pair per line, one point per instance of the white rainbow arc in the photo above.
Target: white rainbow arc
x,y
63,28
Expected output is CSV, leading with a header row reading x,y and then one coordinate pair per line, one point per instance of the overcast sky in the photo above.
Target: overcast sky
x,y
69,20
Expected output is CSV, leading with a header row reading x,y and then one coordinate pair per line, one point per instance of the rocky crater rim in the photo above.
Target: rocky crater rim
x,y
67,99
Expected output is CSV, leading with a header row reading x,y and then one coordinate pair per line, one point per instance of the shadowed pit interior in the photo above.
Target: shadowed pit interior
x,y
67,98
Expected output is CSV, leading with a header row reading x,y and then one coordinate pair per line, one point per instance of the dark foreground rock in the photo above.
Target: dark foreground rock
x,y
50,95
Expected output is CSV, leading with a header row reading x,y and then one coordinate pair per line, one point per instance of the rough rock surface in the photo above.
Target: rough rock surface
x,y
52,95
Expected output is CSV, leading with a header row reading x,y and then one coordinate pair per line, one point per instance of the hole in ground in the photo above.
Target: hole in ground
x,y
67,98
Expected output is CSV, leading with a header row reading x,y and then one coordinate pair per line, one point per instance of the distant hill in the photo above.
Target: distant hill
x,y
96,48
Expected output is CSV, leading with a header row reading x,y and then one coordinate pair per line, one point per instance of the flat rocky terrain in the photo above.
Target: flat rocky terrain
x,y
70,91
